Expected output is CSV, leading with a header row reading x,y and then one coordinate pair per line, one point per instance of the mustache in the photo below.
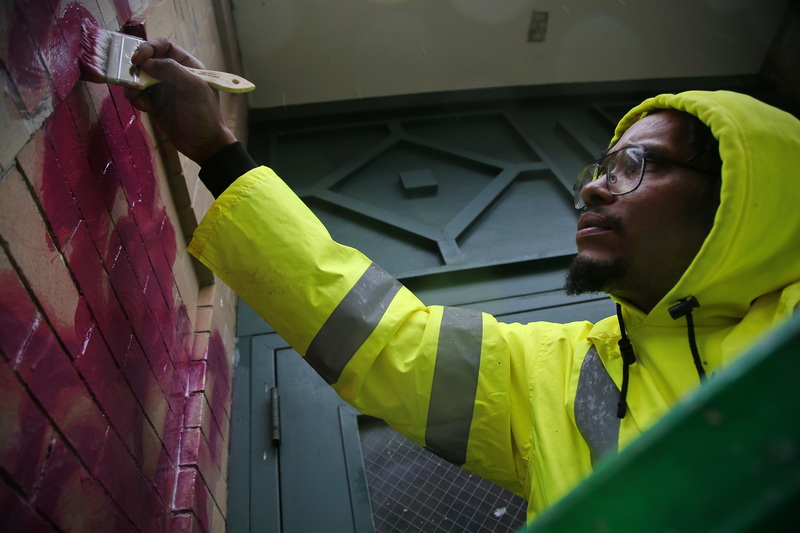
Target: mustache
x,y
614,221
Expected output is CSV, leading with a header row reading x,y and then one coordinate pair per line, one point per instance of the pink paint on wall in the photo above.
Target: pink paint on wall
x,y
19,318
95,401
23,62
25,448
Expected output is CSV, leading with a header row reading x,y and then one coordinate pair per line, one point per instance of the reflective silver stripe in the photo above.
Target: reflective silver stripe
x,y
455,382
351,323
596,407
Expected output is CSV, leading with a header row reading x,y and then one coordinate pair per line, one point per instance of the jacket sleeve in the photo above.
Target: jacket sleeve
x,y
448,378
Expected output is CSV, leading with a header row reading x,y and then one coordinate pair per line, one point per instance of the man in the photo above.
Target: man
x,y
534,406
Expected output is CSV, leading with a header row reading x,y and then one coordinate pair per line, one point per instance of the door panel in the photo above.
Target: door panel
x,y
313,479
323,484
254,480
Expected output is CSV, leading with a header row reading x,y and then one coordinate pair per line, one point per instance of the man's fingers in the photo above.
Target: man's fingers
x,y
149,49
168,70
183,57
164,48
140,101
130,93
161,69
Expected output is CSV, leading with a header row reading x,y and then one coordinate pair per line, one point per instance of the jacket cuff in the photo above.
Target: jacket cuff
x,y
224,167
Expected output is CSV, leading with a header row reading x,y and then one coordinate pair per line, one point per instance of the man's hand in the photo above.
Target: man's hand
x,y
183,107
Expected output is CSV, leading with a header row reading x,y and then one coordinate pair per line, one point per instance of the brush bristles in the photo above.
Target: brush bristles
x,y
95,43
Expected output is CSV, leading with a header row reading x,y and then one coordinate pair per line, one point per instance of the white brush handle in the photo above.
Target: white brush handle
x,y
224,81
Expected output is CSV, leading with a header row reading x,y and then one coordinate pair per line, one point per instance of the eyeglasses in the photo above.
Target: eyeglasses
x,y
624,170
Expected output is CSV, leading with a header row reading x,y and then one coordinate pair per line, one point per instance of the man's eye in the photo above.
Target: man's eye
x,y
627,167
653,163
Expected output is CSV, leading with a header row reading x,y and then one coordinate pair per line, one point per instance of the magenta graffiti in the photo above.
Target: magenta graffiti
x,y
96,399
23,61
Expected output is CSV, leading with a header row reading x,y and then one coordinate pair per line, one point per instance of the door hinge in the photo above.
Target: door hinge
x,y
274,416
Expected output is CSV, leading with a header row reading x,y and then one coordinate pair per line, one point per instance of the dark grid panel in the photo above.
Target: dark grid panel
x,y
412,490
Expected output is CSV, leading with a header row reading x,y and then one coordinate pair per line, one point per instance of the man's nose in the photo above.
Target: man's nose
x,y
596,192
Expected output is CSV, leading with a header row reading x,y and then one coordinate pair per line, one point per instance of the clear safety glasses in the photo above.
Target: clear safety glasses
x,y
623,169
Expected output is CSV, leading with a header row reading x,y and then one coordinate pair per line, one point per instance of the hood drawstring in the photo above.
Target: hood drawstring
x,y
684,308
628,358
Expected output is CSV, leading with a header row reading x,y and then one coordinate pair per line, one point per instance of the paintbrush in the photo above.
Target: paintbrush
x,y
106,58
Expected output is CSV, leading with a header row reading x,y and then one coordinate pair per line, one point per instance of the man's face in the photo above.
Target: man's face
x,y
636,246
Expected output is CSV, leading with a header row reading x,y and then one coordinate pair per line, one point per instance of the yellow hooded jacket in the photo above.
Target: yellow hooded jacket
x,y
528,406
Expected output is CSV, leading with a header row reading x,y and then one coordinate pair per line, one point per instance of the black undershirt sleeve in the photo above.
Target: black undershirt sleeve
x,y
222,168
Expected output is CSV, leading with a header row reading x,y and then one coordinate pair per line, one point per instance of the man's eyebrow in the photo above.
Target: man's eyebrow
x,y
655,147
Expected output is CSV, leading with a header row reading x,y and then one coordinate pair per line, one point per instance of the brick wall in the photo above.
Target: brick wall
x,y
115,345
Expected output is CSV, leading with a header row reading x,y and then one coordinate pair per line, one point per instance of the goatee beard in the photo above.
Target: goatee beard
x,y
586,276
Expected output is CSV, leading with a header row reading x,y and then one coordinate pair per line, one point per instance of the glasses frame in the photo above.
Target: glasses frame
x,y
646,155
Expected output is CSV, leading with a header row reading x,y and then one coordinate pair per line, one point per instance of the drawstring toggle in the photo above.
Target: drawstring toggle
x,y
684,308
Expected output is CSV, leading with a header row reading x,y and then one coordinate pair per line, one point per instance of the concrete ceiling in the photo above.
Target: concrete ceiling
x,y
310,51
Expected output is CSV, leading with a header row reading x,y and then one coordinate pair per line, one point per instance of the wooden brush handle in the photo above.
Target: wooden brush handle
x,y
223,81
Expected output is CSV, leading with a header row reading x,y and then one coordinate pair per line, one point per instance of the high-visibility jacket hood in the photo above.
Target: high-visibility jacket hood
x,y
746,276
752,248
